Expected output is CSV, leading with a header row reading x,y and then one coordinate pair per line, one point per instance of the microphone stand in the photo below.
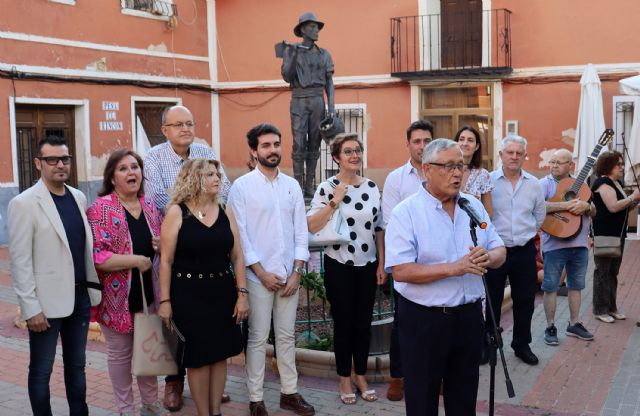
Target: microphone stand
x,y
495,339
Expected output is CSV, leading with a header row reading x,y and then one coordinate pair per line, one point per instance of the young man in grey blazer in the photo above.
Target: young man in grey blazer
x,y
53,275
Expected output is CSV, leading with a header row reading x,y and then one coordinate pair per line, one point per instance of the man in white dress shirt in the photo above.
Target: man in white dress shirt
x,y
402,182
269,209
439,306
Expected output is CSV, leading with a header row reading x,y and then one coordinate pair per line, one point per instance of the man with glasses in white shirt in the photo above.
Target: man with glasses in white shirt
x,y
164,161
269,208
429,249
161,167
400,184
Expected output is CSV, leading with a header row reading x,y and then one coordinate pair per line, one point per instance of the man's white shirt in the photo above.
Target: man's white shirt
x,y
271,222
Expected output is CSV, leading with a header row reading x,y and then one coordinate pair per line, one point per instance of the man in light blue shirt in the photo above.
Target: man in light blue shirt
x,y
439,305
164,161
559,253
400,184
518,211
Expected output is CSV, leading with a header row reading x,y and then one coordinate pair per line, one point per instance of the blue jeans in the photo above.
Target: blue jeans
x,y
73,331
574,259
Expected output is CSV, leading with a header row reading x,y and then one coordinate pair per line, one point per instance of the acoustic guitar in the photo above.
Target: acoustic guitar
x,y
563,224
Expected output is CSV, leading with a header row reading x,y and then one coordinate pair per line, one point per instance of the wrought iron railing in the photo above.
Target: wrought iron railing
x,y
317,310
156,7
475,43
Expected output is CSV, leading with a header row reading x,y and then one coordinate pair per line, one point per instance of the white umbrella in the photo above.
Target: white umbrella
x,y
630,86
590,117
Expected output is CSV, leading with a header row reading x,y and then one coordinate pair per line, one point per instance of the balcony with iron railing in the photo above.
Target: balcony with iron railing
x,y
154,7
452,44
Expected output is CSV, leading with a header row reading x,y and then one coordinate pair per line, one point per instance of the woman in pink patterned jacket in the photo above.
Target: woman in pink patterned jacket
x,y
126,230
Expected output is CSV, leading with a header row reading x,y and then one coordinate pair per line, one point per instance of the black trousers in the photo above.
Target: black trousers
x,y
605,284
351,292
520,268
395,361
440,348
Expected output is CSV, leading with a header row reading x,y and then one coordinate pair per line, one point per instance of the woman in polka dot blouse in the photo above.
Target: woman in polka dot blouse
x,y
352,270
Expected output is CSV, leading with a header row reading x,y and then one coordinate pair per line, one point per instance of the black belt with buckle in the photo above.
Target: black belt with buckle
x,y
195,275
453,309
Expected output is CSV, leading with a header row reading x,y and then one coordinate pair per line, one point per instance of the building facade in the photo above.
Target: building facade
x,y
88,70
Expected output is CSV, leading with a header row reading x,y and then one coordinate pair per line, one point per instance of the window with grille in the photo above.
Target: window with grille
x,y
154,7
353,117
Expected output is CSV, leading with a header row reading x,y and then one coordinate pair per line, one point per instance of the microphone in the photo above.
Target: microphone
x,y
465,205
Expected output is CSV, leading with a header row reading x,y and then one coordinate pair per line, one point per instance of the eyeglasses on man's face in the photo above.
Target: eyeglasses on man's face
x,y
180,126
53,160
350,152
557,162
449,167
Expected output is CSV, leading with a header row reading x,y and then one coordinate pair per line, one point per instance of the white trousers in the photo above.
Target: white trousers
x,y
263,303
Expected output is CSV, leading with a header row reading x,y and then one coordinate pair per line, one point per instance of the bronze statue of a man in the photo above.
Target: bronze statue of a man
x,y
309,70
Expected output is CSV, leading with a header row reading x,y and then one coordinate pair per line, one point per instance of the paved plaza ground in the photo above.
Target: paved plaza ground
x,y
601,377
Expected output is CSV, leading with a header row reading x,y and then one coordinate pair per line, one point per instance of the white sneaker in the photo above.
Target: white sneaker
x,y
154,409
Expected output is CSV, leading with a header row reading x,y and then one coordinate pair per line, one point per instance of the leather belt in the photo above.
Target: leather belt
x,y
449,310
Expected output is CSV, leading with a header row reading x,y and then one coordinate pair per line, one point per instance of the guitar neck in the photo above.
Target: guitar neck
x,y
584,172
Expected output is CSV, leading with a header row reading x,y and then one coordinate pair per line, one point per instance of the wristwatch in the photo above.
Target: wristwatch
x,y
299,270
333,204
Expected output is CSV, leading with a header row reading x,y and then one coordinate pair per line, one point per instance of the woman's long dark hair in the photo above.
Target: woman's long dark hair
x,y
476,159
110,170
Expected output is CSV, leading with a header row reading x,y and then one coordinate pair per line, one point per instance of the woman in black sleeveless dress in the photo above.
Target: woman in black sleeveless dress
x,y
200,244
612,209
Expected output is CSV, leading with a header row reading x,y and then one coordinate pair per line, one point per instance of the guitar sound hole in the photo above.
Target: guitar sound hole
x,y
569,195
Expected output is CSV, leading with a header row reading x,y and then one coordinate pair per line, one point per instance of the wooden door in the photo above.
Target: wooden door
x,y
33,123
461,33
150,115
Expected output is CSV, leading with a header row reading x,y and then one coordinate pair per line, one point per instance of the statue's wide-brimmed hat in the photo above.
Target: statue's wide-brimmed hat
x,y
307,17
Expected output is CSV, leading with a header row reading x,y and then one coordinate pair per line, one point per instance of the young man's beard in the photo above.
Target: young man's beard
x,y
266,163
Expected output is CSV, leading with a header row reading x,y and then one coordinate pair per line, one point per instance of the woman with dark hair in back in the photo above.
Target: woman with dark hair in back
x,y
126,234
612,210
476,180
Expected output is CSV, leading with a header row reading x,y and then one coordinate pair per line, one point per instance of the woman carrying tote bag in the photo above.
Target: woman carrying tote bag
x,y
610,221
126,230
352,269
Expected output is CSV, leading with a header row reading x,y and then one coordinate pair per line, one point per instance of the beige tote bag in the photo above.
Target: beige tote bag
x,y
151,354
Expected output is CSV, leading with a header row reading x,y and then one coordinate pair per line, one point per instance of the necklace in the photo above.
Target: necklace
x,y
126,205
201,214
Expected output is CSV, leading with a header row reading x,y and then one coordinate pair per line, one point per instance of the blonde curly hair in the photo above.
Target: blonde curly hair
x,y
190,182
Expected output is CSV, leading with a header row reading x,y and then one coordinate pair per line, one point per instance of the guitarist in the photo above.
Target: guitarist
x,y
559,253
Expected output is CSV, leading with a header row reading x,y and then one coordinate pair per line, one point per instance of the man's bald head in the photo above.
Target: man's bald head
x,y
173,108
561,163
563,154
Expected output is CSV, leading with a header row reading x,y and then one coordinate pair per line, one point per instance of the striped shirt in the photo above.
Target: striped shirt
x,y
162,165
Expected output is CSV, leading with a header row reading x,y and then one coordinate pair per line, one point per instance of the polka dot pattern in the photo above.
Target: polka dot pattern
x,y
361,210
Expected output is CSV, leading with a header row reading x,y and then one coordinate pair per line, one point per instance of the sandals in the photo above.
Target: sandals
x,y
348,398
368,395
